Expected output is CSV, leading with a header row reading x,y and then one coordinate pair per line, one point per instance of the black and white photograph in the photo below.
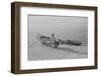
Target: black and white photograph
x,y
52,37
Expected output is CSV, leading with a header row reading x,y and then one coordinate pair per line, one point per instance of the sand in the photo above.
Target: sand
x,y
36,51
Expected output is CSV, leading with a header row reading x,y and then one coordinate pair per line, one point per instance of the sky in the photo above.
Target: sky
x,y
64,27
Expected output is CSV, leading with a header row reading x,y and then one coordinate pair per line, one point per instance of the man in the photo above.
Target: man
x,y
53,37
54,41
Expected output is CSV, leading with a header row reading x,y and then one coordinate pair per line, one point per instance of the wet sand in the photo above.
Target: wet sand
x,y
38,52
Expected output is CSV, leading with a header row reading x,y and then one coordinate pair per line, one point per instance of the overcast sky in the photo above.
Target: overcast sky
x,y
74,28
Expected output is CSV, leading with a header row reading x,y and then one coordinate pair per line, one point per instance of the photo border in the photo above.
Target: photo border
x,y
15,37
